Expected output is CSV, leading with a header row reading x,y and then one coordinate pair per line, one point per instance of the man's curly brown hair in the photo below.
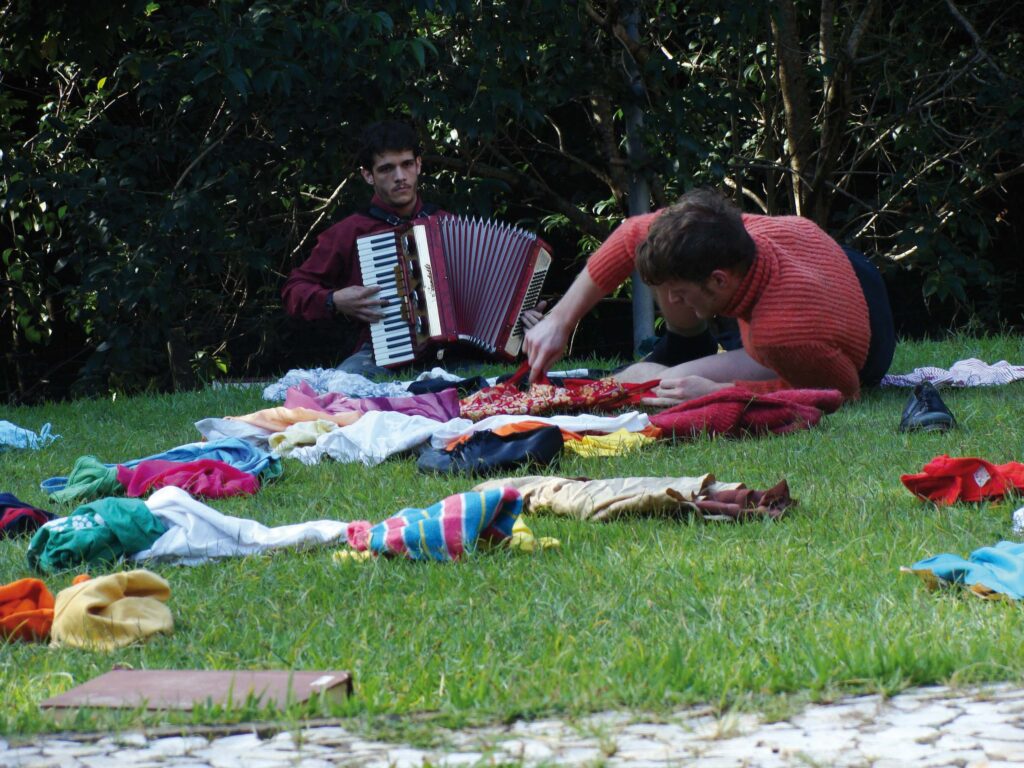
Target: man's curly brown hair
x,y
701,233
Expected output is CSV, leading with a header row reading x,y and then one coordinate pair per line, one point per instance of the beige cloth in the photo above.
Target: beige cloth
x,y
302,433
612,498
111,611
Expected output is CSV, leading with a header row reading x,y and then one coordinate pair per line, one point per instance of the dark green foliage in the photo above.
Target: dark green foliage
x,y
165,164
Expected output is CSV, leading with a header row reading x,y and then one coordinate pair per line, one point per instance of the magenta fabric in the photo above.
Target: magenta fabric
x,y
205,477
737,412
440,406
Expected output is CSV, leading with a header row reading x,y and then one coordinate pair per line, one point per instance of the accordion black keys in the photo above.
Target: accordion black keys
x,y
452,279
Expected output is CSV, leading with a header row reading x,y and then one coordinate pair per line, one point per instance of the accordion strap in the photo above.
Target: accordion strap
x,y
376,212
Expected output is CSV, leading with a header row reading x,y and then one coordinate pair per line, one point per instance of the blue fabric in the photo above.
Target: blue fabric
x,y
13,436
1000,568
10,501
231,450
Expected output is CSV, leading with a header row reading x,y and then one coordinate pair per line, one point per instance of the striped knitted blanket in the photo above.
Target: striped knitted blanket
x,y
444,531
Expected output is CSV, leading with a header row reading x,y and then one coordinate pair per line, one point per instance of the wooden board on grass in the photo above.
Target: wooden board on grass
x,y
185,689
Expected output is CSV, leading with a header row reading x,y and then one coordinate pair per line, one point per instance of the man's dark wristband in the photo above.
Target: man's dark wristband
x,y
329,304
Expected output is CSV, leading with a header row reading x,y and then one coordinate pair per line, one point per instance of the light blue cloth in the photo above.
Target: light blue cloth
x,y
324,380
1000,568
238,453
13,436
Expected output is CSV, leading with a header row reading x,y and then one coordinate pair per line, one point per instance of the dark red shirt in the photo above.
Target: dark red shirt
x,y
334,264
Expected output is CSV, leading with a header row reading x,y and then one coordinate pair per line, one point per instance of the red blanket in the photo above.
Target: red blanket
x,y
737,412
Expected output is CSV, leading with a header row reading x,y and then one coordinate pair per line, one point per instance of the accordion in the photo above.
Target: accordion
x,y
452,279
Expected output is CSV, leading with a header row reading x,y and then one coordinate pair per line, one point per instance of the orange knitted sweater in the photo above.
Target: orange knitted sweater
x,y
800,308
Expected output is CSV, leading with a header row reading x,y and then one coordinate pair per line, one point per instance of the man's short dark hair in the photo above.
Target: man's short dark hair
x,y
699,234
387,136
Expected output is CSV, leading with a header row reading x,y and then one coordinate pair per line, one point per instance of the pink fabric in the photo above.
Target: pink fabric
x,y
440,406
737,412
205,477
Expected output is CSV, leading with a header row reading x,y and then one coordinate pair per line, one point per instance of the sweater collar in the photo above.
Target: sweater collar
x,y
754,282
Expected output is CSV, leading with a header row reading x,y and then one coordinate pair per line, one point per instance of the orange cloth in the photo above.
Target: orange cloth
x,y
280,418
26,610
800,308
509,429
527,425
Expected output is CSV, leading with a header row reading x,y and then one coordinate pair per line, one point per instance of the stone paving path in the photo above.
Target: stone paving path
x,y
933,727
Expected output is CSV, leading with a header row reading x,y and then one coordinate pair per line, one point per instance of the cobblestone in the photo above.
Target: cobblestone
x,y
924,727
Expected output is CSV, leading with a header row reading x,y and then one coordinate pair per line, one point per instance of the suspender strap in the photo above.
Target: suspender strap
x,y
428,209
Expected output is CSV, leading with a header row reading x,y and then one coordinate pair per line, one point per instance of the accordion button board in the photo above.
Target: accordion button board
x,y
452,279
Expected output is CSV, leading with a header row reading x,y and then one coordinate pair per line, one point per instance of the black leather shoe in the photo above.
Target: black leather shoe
x,y
925,411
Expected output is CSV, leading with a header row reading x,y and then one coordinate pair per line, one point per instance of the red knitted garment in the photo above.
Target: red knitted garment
x,y
737,412
800,307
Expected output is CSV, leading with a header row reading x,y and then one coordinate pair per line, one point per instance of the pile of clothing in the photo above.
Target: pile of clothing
x,y
154,509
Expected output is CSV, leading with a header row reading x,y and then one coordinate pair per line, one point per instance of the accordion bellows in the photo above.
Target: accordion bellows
x,y
452,279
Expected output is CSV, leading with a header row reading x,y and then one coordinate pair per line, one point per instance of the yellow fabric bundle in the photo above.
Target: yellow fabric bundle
x,y
112,611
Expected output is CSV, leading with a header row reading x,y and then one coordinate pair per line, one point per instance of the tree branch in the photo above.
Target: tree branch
x,y
826,37
747,192
323,210
795,99
207,150
836,110
525,185
975,37
609,143
1006,175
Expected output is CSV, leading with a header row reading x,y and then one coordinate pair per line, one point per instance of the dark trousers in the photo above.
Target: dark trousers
x,y
883,331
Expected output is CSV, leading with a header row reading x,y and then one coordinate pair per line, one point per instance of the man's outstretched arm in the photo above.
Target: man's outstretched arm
x,y
697,378
545,342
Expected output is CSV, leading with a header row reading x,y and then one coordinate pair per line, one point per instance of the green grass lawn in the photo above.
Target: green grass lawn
x,y
648,613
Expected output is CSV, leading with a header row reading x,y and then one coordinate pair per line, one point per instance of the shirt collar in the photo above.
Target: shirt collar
x,y
376,201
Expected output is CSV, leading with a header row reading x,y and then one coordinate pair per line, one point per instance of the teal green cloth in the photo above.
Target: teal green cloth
x,y
99,532
89,479
272,471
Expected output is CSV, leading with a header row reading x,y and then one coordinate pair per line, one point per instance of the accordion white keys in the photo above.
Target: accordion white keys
x,y
452,279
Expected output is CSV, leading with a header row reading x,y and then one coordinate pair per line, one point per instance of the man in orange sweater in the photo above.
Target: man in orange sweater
x,y
811,314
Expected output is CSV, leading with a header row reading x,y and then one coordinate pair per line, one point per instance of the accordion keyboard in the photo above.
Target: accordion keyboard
x,y
392,337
